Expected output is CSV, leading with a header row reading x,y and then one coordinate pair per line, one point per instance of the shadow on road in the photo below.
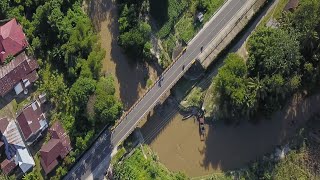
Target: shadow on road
x,y
94,163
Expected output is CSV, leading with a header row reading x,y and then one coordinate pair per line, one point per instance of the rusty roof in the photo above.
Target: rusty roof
x,y
57,132
49,153
22,67
8,166
29,119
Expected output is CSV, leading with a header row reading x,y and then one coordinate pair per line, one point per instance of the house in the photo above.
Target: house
x,y
291,5
32,122
55,149
15,150
12,40
20,72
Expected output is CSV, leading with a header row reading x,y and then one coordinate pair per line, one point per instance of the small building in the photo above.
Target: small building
x,y
12,40
57,148
15,150
291,5
32,122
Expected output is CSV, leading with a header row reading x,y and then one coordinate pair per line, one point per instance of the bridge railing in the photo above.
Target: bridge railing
x,y
230,29
156,82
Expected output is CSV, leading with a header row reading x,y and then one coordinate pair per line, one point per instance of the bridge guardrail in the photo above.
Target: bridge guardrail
x,y
139,100
232,28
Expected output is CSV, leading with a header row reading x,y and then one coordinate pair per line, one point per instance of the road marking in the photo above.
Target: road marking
x,y
168,78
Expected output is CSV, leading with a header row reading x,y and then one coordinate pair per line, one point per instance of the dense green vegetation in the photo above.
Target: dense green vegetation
x,y
281,62
143,164
195,98
174,9
63,40
135,30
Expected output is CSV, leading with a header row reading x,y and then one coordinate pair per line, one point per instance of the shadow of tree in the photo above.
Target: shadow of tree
x,y
232,147
131,74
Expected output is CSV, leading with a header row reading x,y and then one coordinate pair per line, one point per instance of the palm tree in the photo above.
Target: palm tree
x,y
257,86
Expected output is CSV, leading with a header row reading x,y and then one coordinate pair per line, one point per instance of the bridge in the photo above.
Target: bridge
x,y
94,163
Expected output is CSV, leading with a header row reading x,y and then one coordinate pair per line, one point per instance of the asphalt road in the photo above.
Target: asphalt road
x,y
89,166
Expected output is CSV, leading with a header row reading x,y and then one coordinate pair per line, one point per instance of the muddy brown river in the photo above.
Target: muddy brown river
x,y
180,148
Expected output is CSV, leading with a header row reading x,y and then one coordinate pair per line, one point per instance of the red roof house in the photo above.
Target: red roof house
x,y
32,122
12,40
56,148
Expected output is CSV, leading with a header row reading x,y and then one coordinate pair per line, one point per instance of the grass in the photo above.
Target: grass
x,y
275,13
118,156
149,83
169,44
187,26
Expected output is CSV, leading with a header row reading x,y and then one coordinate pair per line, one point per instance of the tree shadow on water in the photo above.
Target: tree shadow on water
x,y
231,147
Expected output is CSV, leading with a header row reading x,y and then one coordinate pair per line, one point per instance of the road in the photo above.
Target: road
x,y
95,161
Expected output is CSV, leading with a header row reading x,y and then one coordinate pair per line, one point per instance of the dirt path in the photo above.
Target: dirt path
x,y
130,76
225,147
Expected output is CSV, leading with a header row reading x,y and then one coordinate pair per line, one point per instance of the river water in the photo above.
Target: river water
x,y
225,147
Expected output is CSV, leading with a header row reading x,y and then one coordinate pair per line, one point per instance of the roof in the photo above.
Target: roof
x,y
58,146
49,153
7,166
13,135
29,119
3,124
291,5
25,160
12,39
22,67
57,132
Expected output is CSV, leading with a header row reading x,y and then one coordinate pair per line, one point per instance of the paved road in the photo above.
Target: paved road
x,y
90,166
